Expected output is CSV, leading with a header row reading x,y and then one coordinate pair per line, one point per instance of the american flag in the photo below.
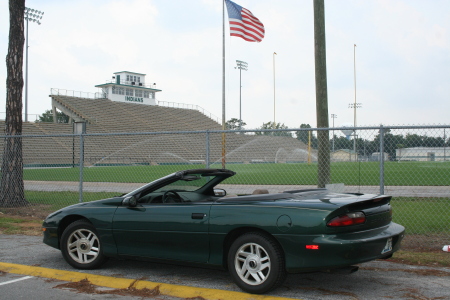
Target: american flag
x,y
243,23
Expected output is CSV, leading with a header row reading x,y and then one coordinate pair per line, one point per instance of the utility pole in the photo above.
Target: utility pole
x,y
324,174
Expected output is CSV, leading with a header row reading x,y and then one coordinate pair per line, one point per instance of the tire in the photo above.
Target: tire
x,y
81,247
256,263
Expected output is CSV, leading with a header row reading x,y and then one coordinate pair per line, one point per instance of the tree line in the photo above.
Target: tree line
x,y
364,147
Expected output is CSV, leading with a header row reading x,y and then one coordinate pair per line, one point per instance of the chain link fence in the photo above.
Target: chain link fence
x,y
411,163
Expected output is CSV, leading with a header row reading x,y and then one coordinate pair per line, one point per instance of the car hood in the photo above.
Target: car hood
x,y
116,201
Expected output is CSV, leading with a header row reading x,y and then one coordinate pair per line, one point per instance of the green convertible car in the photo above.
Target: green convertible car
x,y
183,218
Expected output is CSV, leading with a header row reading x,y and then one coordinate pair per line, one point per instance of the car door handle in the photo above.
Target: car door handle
x,y
198,215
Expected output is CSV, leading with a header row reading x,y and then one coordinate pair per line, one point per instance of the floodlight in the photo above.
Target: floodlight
x,y
241,65
32,15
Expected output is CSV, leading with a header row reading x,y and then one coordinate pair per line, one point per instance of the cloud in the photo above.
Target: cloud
x,y
401,56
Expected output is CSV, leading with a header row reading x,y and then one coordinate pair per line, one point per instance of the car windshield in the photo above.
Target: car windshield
x,y
188,183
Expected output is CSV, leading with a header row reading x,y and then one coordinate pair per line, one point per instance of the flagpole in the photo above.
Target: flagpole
x,y
223,84
274,124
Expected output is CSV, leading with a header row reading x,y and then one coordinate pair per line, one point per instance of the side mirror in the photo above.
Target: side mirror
x,y
130,201
220,192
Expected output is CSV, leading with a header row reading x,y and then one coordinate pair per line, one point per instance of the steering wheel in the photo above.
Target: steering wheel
x,y
171,196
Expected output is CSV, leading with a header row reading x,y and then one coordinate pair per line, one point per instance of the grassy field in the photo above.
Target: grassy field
x,y
52,201
20,225
358,173
422,215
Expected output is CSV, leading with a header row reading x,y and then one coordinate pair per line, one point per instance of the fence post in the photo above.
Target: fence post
x,y
207,149
80,185
381,160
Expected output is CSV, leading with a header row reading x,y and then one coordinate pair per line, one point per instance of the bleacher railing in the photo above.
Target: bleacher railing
x,y
79,94
71,93
31,117
133,83
189,106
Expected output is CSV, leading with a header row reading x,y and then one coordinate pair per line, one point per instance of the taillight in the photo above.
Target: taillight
x,y
312,247
349,219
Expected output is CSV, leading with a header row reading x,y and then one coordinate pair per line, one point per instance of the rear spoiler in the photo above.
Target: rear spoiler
x,y
376,201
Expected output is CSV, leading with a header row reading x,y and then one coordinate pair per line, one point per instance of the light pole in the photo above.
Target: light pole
x,y
241,65
444,146
333,116
274,124
354,105
32,15
354,80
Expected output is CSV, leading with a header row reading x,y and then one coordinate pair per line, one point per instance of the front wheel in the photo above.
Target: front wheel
x,y
81,246
256,263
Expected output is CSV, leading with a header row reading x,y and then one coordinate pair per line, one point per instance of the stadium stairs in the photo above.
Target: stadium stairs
x,y
106,116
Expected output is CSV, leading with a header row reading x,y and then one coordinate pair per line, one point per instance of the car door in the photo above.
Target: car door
x,y
175,231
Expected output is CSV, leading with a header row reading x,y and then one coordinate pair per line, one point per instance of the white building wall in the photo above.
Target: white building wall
x,y
129,94
128,77
129,87
423,154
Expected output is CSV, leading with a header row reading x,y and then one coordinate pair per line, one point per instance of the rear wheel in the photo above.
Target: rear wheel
x,y
256,263
81,246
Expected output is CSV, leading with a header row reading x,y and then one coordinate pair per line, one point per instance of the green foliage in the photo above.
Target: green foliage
x,y
306,136
392,142
342,143
235,124
47,116
272,125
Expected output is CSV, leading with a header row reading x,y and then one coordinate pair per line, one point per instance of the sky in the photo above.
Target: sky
x,y
401,59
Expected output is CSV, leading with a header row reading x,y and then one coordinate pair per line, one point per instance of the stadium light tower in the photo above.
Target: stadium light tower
x,y
333,116
32,15
241,65
354,105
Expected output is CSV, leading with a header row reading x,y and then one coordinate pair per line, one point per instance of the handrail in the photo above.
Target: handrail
x,y
64,92
189,106
130,83
73,93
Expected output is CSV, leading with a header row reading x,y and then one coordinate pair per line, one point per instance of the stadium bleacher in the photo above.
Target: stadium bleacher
x,y
175,146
